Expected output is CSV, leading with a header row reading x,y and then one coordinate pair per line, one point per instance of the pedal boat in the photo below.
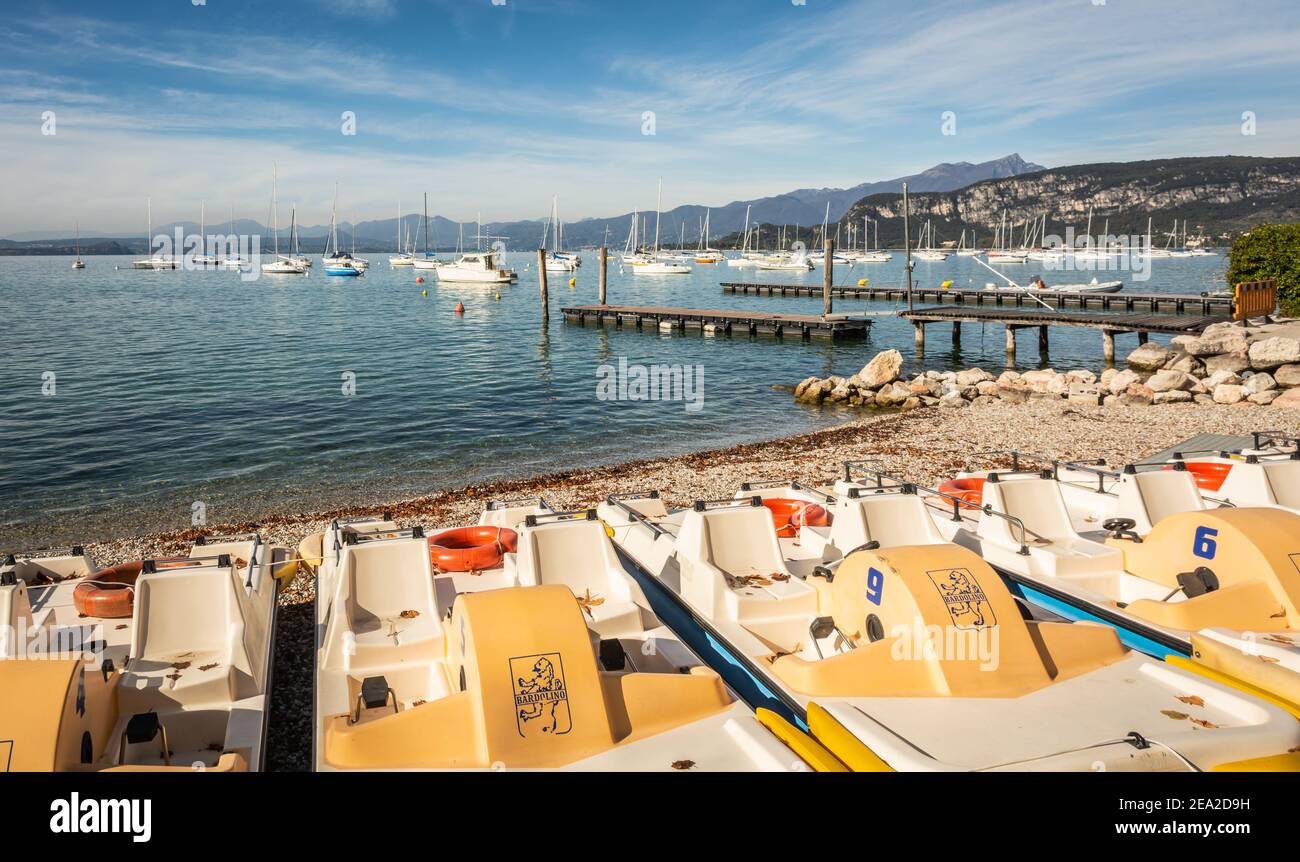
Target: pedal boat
x,y
917,656
179,683
551,659
1221,585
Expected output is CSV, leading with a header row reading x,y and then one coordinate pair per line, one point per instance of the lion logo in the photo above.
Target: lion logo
x,y
966,602
541,697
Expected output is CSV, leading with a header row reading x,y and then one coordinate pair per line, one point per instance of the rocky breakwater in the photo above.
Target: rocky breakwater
x,y
1224,365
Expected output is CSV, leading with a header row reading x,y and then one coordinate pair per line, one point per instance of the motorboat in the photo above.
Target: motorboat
x,y
476,267
160,664
520,642
786,263
851,607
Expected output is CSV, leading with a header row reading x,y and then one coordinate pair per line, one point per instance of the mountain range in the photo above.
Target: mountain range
x,y
801,206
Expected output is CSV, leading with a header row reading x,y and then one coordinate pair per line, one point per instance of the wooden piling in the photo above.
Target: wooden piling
x,y
920,337
956,333
1011,341
828,275
1108,345
541,282
1042,339
604,275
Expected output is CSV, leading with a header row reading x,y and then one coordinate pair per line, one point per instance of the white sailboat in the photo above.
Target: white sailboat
x,y
281,265
748,258
232,260
1002,253
428,261
201,257
557,260
928,251
403,257
78,263
152,261
651,265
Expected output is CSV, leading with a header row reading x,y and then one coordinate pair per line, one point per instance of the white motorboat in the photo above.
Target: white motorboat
x,y
786,262
477,267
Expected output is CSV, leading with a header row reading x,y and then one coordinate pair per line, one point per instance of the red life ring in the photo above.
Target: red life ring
x,y
472,549
970,491
109,594
789,515
1209,475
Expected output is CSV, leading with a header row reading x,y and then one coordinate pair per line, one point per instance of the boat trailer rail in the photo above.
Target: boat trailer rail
x,y
903,486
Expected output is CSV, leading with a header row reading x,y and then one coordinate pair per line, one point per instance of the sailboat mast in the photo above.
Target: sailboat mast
x,y
659,199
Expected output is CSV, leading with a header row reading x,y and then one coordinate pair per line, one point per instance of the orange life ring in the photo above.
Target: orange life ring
x,y
1209,475
472,549
970,491
109,594
789,515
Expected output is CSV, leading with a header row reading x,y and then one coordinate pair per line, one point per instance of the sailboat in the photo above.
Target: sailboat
x,y
296,255
651,265
557,260
152,262
703,253
928,251
403,257
963,250
632,251
1003,253
232,260
78,263
281,265
748,257
875,255
202,258
428,261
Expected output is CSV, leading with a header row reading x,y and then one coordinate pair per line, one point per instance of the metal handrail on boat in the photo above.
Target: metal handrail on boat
x,y
573,514
617,500
903,486
792,483
726,502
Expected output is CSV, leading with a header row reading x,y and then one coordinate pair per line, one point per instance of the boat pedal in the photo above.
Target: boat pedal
x,y
142,728
375,694
612,654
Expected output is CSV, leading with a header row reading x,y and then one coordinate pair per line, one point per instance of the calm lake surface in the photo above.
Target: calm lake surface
x,y
131,395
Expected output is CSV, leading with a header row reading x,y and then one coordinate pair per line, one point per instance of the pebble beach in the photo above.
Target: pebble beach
x,y
922,445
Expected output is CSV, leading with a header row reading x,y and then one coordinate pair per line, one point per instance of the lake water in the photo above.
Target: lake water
x,y
131,395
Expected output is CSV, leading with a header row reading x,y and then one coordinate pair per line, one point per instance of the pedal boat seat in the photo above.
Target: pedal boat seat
x,y
1055,548
1150,497
532,695
947,596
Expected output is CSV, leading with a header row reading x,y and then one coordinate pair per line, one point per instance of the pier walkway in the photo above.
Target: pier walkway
x,y
718,321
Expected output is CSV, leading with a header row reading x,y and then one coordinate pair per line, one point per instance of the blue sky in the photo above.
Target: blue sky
x,y
493,107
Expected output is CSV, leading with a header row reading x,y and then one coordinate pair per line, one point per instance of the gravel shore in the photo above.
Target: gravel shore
x,y
923,445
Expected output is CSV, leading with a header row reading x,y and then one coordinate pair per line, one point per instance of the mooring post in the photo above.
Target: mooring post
x,y
604,275
956,333
907,248
1011,341
1142,338
920,336
1042,339
828,276
541,283
1108,345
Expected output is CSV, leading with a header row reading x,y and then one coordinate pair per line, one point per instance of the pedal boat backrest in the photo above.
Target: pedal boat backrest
x,y
1148,497
531,695
937,621
892,519
1038,505
1266,483
732,569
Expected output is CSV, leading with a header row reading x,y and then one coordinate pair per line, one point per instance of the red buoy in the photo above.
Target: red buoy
x,y
460,308
419,279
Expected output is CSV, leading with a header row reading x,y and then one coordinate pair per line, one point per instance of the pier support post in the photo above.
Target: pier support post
x,y
604,275
1142,337
1042,339
1108,345
828,276
956,333
541,283
1011,341
920,337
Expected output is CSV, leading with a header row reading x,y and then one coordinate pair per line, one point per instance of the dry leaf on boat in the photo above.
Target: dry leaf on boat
x,y
683,764
779,576
1208,725
240,563
173,676
1279,639
588,601
1269,659
1174,714
207,666
1191,700
409,615
180,665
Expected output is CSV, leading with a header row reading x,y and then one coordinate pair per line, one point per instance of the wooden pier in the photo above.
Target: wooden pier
x,y
720,322
1176,303
1110,325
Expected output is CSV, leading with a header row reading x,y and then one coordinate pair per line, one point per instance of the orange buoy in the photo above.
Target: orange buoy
x,y
109,594
472,549
419,279
1209,475
460,308
789,515
970,491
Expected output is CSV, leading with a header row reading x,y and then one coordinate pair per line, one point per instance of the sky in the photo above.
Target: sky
x,y
494,106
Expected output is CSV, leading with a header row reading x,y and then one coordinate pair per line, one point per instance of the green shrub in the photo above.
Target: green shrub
x,y
1270,252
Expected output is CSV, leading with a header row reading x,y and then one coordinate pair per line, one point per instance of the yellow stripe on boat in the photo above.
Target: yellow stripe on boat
x,y
1289,762
842,743
1196,667
810,751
